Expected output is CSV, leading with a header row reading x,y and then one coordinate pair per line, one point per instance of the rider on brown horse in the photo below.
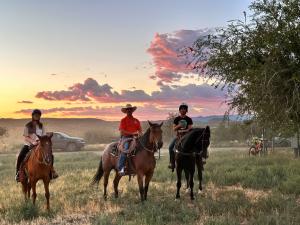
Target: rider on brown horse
x,y
182,124
129,127
32,130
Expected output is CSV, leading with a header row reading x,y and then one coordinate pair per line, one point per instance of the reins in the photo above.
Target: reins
x,y
191,153
35,151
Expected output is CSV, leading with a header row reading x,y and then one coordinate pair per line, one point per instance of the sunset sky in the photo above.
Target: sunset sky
x,y
74,58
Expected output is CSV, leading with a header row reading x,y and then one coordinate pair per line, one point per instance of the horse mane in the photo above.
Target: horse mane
x,y
144,139
189,141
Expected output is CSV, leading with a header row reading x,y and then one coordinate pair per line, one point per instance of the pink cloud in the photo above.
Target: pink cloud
x,y
90,90
165,50
152,111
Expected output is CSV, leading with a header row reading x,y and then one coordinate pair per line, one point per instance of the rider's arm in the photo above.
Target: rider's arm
x,y
30,140
28,137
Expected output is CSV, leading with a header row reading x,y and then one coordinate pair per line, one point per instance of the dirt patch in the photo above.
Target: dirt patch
x,y
251,194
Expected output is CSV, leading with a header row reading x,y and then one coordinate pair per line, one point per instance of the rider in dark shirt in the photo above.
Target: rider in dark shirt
x,y
182,124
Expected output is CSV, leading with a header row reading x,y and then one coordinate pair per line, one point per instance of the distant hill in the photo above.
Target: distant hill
x,y
218,118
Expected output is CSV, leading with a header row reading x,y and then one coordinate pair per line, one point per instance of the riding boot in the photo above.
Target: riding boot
x,y
20,159
121,166
53,174
172,161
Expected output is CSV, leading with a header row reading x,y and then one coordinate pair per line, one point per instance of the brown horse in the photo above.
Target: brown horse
x,y
143,162
37,166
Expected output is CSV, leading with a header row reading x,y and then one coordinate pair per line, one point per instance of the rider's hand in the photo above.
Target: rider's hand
x,y
35,142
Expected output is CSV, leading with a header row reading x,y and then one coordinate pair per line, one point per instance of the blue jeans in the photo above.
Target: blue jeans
x,y
171,149
123,155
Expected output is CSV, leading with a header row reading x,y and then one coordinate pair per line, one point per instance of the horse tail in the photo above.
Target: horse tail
x,y
99,174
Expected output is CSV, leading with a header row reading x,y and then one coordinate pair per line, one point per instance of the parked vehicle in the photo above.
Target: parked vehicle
x,y
65,142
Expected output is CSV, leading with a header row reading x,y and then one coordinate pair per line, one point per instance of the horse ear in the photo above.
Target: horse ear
x,y
151,124
161,124
50,134
207,129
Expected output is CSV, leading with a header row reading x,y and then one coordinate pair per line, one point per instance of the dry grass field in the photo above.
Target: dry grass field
x,y
237,190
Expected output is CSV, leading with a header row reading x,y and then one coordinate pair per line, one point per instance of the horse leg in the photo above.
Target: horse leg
x,y
147,181
199,168
141,186
116,184
106,176
33,186
24,189
28,190
47,194
179,172
191,182
187,178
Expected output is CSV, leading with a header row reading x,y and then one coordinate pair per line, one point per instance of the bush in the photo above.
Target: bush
x,y
99,136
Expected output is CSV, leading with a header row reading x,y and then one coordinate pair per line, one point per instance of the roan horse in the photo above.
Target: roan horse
x,y
143,162
189,152
37,166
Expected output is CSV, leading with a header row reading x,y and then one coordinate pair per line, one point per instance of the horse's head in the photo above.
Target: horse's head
x,y
203,141
155,136
45,145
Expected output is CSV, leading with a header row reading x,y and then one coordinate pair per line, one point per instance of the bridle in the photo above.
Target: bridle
x,y
44,161
193,153
154,143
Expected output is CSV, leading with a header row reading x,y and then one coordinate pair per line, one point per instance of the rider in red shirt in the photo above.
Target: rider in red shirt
x,y
129,127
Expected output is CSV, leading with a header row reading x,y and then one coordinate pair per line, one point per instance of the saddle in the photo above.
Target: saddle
x,y
118,147
178,142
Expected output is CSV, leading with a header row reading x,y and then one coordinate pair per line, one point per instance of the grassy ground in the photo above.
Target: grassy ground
x,y
237,190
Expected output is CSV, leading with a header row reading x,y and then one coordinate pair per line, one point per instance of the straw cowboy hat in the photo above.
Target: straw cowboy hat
x,y
128,106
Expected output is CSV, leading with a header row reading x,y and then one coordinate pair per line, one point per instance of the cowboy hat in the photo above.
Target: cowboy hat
x,y
128,106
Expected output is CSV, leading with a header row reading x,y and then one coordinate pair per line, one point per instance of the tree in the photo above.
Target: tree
x,y
3,133
168,126
258,62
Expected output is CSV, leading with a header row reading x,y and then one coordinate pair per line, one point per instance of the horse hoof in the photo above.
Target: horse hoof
x,y
105,198
187,190
192,198
116,194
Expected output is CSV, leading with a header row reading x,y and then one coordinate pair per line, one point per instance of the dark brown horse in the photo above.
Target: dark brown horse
x,y
189,152
143,162
37,167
